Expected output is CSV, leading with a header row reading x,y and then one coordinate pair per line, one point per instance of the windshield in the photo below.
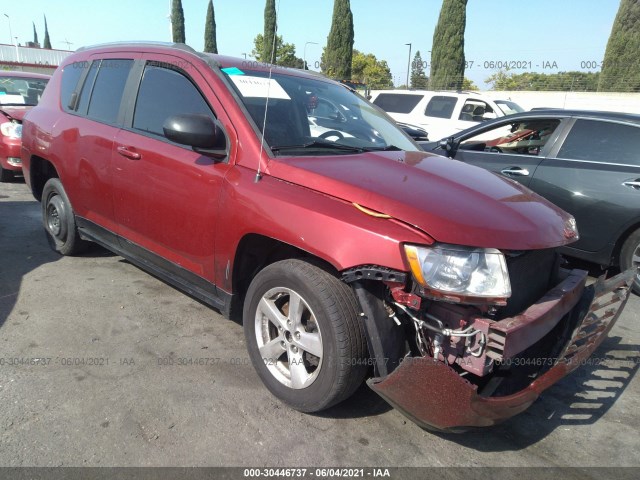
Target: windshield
x,y
21,90
313,117
509,107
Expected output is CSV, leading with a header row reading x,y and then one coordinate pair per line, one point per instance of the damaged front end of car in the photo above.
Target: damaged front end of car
x,y
477,334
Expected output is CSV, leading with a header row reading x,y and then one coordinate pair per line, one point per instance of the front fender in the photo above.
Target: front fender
x,y
326,227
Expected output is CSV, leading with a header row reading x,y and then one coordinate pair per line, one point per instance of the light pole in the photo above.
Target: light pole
x,y
408,65
10,33
170,20
304,55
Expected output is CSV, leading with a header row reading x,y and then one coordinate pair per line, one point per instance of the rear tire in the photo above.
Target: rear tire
x,y
304,336
630,257
59,220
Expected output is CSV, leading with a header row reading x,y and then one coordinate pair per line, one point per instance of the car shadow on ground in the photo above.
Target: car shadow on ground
x,y
22,250
582,398
363,403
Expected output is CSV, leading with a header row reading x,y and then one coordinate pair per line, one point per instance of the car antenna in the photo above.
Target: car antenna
x,y
266,106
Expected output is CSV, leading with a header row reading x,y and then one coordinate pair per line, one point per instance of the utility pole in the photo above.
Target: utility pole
x,y
304,56
408,65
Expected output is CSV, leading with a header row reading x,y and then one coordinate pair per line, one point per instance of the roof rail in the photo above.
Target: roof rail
x,y
181,46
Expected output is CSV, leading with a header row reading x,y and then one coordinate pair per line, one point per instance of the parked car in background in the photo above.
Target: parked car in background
x,y
19,92
587,163
343,255
417,133
441,113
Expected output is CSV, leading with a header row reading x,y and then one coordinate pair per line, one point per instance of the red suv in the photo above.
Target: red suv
x,y
348,251
19,92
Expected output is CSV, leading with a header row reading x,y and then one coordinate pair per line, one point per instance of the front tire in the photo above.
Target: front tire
x,y
59,221
630,257
304,336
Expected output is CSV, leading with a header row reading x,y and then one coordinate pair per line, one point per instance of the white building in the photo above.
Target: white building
x,y
28,59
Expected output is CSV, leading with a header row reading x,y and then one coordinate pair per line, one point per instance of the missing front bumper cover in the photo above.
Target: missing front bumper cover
x,y
434,395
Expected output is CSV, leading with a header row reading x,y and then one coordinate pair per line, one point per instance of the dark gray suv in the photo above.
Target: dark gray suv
x,y
587,163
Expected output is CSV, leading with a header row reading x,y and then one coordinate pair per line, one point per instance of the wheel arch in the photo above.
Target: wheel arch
x,y
615,256
386,341
256,251
40,171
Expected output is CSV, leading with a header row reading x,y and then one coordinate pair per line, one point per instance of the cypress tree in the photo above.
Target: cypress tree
x,y
339,51
210,42
177,22
35,33
418,78
447,53
621,68
47,40
268,54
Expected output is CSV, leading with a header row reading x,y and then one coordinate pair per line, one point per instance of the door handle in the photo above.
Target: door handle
x,y
635,184
125,152
515,171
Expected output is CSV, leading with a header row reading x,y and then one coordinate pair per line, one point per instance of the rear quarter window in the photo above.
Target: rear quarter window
x,y
441,106
70,76
600,141
396,102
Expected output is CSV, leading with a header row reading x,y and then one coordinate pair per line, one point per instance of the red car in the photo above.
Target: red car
x,y
19,92
347,255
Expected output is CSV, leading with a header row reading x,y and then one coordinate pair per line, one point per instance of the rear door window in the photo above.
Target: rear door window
x,y
108,90
601,141
397,102
441,106
87,87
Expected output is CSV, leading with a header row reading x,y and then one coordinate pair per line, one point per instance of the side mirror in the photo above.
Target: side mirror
x,y
449,145
489,116
197,131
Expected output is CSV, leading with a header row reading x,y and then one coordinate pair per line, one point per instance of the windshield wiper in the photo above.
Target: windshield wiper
x,y
388,148
316,144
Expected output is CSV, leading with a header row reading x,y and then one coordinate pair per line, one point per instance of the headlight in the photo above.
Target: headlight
x,y
11,129
460,273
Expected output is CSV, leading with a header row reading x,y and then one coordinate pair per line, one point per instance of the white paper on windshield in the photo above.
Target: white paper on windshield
x,y
259,87
4,98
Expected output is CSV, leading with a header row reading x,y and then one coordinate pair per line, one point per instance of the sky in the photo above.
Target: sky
x,y
546,36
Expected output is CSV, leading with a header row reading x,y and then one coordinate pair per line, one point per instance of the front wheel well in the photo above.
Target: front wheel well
x,y
615,257
41,171
254,253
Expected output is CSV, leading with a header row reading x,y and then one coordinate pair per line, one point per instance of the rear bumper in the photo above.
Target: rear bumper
x,y
432,394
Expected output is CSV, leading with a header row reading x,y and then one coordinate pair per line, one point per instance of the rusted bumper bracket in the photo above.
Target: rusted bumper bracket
x,y
434,395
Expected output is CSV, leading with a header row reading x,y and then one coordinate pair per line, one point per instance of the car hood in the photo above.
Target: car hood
x,y
16,113
450,201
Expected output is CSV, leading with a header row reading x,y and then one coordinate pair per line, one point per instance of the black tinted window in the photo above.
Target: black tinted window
x,y
164,92
397,102
108,90
603,142
87,87
440,106
70,77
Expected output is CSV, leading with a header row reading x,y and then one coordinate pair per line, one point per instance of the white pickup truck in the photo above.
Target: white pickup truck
x,y
441,113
